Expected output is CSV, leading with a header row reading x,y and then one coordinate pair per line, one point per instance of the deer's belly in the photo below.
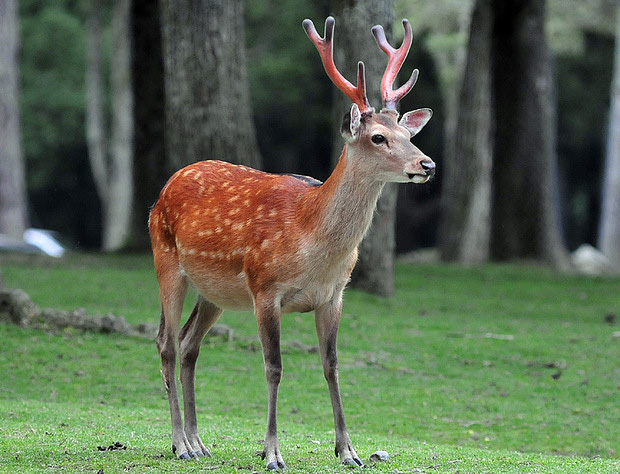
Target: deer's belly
x,y
222,287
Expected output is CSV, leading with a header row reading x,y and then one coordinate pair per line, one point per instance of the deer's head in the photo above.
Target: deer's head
x,y
380,141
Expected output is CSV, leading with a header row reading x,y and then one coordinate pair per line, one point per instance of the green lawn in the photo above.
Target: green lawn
x,y
501,368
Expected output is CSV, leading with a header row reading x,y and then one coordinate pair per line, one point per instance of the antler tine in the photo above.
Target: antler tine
x,y
396,58
325,46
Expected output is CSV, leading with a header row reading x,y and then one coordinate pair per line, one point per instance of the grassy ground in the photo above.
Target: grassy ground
x,y
493,369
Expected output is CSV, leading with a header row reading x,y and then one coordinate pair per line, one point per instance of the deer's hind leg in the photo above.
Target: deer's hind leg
x,y
172,290
203,316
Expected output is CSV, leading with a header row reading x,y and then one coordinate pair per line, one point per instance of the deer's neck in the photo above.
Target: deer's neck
x,y
342,208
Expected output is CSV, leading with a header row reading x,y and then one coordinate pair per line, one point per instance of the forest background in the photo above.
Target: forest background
x,y
67,47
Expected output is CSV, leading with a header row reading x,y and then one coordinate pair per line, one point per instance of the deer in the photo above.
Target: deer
x,y
276,243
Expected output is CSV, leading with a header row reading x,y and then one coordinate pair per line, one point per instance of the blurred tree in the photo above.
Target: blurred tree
x,y
354,42
147,72
466,199
525,221
117,228
111,162
609,228
208,113
13,204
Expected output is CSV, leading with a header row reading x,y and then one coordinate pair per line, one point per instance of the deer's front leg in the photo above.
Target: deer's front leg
x,y
268,319
327,319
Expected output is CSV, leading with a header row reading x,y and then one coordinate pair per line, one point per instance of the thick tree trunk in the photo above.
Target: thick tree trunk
x,y
466,199
13,207
150,172
609,231
524,220
353,42
208,112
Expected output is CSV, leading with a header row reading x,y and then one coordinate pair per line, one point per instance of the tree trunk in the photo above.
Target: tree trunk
x,y
353,42
117,224
150,172
609,227
13,201
111,163
96,133
208,112
466,199
524,221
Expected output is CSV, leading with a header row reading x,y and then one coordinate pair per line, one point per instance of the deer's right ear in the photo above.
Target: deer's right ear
x,y
352,123
415,120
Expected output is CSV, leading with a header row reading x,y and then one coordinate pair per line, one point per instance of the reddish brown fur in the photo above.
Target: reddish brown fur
x,y
244,230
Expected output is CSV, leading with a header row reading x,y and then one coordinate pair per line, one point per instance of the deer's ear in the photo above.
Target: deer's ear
x,y
352,123
415,120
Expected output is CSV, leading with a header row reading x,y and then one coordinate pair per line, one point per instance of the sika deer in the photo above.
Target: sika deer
x,y
278,243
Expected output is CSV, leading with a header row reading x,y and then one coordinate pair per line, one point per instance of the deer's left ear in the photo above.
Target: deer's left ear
x,y
351,123
415,120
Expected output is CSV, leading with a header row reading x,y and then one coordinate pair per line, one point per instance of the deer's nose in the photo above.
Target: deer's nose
x,y
428,166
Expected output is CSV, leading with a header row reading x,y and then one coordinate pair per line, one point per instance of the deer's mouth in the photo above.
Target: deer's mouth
x,y
418,178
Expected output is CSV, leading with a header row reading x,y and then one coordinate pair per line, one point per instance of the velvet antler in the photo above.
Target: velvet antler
x,y
325,47
396,58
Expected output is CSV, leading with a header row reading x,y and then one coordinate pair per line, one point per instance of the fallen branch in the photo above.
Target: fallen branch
x,y
16,307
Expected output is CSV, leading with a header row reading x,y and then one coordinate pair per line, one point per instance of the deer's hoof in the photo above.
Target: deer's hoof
x,y
275,465
184,456
353,462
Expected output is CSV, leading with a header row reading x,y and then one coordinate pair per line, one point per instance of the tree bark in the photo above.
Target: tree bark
x,y
208,111
13,200
353,42
525,223
609,227
150,171
466,198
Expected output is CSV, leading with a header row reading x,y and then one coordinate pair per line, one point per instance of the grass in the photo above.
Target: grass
x,y
502,368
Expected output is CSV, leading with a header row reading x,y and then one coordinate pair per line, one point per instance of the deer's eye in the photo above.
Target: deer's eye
x,y
378,138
